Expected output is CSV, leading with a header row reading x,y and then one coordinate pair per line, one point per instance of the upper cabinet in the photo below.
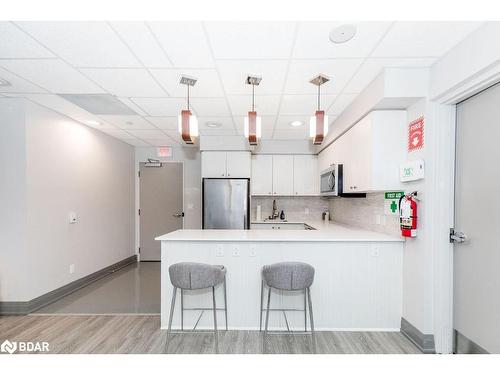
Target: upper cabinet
x,y
262,175
225,164
371,152
285,175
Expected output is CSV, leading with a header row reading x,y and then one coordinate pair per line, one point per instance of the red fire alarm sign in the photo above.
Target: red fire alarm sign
x,y
416,134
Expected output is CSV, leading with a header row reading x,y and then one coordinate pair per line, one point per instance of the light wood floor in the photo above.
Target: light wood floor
x,y
142,334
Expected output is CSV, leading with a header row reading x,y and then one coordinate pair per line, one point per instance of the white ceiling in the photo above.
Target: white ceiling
x,y
141,63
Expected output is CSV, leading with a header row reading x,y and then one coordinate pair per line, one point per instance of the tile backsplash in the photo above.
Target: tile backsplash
x,y
296,208
366,213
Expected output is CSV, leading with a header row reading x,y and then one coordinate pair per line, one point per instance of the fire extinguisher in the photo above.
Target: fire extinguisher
x,y
408,215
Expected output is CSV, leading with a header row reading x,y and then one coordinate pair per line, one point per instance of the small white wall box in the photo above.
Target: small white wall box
x,y
72,217
411,170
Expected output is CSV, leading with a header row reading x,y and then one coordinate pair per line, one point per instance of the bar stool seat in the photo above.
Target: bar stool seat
x,y
194,276
288,276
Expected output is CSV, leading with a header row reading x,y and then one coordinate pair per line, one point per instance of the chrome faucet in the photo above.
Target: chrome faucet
x,y
275,211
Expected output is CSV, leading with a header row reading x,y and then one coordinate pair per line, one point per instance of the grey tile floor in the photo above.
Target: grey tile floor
x,y
134,289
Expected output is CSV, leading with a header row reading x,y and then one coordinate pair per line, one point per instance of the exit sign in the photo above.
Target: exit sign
x,y
164,152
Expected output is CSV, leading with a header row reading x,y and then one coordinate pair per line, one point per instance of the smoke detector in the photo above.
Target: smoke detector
x,y
342,34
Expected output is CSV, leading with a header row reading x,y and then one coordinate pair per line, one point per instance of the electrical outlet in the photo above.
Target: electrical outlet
x,y
375,252
219,251
377,219
71,268
236,250
253,250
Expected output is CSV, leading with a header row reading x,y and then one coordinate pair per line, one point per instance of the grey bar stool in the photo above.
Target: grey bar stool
x,y
289,276
192,276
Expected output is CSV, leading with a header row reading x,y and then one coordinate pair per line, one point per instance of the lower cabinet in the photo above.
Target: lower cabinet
x,y
278,226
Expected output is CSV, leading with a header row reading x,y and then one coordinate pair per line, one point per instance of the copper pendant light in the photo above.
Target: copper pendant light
x,y
318,124
188,123
253,123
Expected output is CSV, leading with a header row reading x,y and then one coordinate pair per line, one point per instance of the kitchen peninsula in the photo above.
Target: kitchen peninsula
x,y
357,285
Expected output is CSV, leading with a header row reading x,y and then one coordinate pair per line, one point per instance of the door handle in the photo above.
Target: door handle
x,y
178,215
457,237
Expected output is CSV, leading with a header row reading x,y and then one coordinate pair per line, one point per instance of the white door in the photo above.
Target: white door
x,y
282,174
476,305
262,175
305,175
238,164
213,164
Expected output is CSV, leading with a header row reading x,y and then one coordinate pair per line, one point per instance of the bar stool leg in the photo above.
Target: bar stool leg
x,y
261,303
305,310
215,322
172,305
182,309
225,301
311,318
267,311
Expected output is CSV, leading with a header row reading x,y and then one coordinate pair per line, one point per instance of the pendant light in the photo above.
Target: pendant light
x,y
318,125
188,123
253,123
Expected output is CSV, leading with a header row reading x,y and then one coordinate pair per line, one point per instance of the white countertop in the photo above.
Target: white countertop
x,y
325,232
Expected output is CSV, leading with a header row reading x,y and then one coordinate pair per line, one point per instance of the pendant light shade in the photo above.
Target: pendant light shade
x,y
318,124
253,123
188,123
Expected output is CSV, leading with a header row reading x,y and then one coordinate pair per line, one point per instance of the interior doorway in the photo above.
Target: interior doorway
x,y
160,205
476,305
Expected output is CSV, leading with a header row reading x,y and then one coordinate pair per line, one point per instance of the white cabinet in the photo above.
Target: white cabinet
x,y
262,175
222,164
285,175
280,225
305,175
238,164
282,174
371,152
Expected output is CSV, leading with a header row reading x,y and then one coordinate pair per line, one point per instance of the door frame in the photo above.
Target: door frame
x,y
445,153
138,202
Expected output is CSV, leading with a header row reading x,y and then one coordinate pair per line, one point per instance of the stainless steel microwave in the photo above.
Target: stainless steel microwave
x,y
331,181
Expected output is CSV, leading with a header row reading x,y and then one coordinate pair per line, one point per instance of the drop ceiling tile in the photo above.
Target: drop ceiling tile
x,y
126,82
148,134
291,134
18,84
301,72
226,123
161,142
207,85
251,40
53,75
136,143
118,133
304,104
143,43
205,107
17,44
184,42
423,39
134,107
164,123
372,67
175,137
161,106
340,103
61,105
234,73
128,122
264,104
283,122
313,40
82,43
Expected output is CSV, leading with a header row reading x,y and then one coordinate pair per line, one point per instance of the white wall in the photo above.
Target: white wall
x,y
13,266
191,159
71,167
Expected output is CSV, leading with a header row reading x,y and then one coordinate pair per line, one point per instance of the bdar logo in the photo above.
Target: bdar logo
x,y
8,347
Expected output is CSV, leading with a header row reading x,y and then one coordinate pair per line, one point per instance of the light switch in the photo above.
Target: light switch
x,y
72,268
253,250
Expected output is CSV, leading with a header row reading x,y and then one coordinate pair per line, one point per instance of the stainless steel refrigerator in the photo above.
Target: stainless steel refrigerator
x,y
226,203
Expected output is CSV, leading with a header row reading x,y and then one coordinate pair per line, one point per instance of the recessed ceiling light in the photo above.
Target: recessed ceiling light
x,y
342,34
296,123
93,122
4,83
212,124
